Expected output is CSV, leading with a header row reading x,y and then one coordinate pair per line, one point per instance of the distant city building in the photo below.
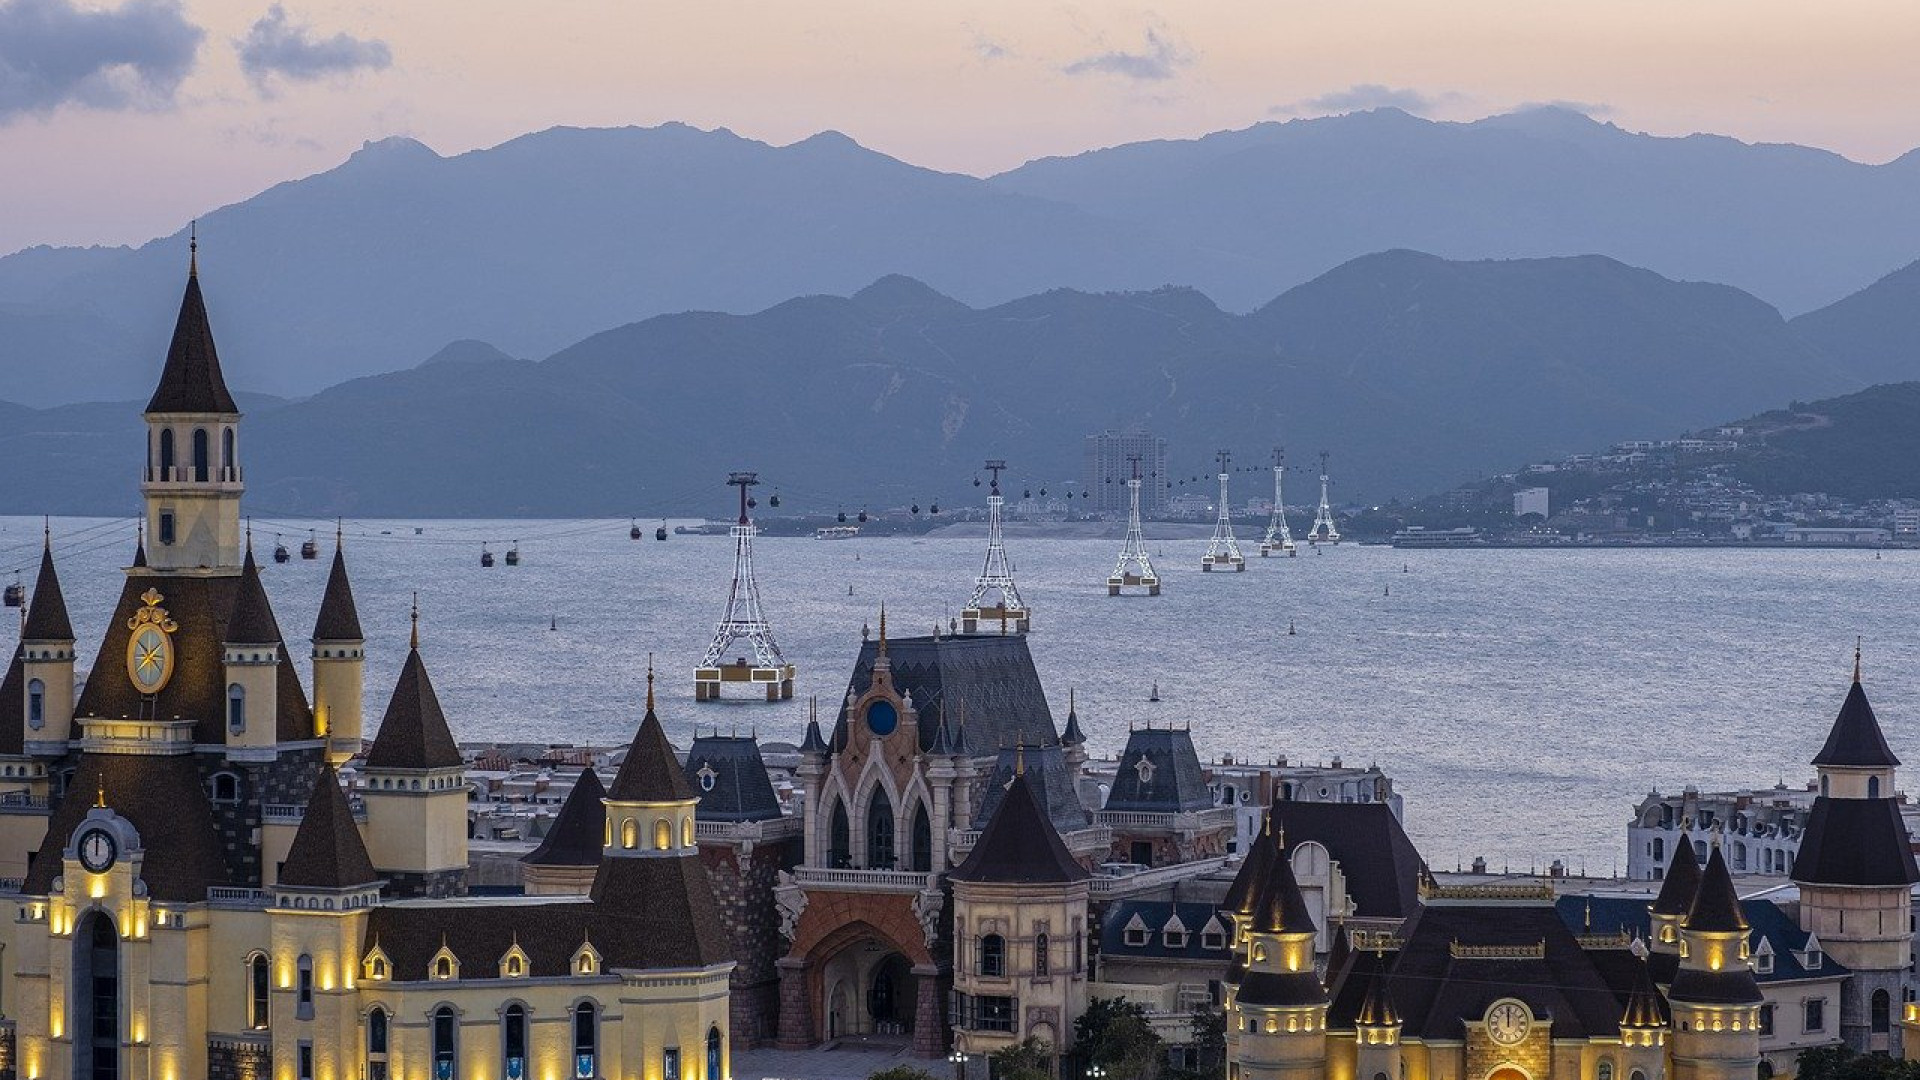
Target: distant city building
x,y
1109,467
1531,500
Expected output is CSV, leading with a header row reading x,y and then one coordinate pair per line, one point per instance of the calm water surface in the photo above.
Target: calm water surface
x,y
1522,701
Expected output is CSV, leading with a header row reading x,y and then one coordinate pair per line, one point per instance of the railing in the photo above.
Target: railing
x,y
1093,837
863,880
733,831
1105,887
292,813
237,897
1189,819
20,802
12,884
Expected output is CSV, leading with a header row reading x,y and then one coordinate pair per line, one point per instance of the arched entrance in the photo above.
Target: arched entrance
x,y
1507,1072
96,999
871,991
890,996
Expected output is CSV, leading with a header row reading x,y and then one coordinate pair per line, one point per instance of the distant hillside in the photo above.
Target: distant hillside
x,y
554,236
1413,371
1875,333
1860,447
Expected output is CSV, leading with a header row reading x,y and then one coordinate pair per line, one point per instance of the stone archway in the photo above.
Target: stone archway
x,y
861,977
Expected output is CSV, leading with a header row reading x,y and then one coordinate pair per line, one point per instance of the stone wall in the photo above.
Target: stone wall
x,y
743,886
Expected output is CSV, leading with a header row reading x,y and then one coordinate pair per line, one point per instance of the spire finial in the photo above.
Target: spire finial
x,y
1856,660
883,628
193,248
414,643
649,682
100,794
249,534
339,532
1020,758
46,532
1070,703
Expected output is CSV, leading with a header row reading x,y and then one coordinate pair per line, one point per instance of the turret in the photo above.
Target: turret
x,y
1669,908
1643,1028
192,482
339,664
415,789
46,653
1073,740
251,654
650,810
1377,1025
1714,998
569,855
1280,1006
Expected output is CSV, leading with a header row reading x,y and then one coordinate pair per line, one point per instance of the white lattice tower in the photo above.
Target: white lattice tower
x,y
1323,530
1223,550
744,619
1133,567
996,575
1279,537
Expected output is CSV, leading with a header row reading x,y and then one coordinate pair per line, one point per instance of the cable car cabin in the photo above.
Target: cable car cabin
x,y
634,533
513,554
661,532
280,554
16,594
310,549
486,557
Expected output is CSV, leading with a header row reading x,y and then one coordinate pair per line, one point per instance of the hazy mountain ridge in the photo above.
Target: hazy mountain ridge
x,y
1414,371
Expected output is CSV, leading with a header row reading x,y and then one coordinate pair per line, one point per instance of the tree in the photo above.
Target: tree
x,y
1115,1034
1208,1050
902,1072
1030,1059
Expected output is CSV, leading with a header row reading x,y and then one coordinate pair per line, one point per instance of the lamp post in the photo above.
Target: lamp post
x,y
959,1059
1095,1072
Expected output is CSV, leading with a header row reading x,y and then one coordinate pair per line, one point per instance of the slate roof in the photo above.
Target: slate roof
x,y
1379,860
1855,741
339,619
1376,1004
1155,915
1646,1009
414,734
47,613
578,831
1855,842
191,381
650,772
1716,906
327,851
1277,905
1682,880
13,704
1172,783
1020,845
162,796
988,681
251,621
198,690
741,789
1766,921
813,742
661,913
1238,901
1051,778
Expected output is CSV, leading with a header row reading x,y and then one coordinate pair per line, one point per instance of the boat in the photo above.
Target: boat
x,y
1418,536
836,532
486,557
513,554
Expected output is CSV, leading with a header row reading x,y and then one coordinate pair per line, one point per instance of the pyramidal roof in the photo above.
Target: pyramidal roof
x,y
339,620
576,835
1855,740
650,772
413,733
1716,907
1376,1009
1253,869
1020,844
1681,882
1644,1009
327,852
1278,905
252,621
191,381
47,615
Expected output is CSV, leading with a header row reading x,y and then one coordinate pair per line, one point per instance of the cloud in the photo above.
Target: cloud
x,y
1592,110
1161,59
989,49
130,57
1362,96
277,46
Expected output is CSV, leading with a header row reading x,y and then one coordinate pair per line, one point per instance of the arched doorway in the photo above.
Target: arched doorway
x,y
96,999
1507,1072
890,996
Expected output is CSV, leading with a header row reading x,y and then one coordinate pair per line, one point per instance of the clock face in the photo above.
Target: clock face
x,y
98,850
1507,1022
149,658
882,718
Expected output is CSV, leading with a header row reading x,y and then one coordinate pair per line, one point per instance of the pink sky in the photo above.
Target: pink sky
x,y
971,87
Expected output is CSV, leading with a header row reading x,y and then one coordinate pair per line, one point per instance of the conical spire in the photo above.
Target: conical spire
x,y
1279,907
413,733
1716,907
252,621
339,620
47,616
1855,740
1253,870
1073,736
575,838
1020,844
650,773
1645,1008
140,545
1681,882
942,744
327,851
814,742
1377,1009
191,381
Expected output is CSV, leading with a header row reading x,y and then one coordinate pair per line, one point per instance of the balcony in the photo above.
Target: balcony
x,y
881,881
756,832
1218,817
1113,886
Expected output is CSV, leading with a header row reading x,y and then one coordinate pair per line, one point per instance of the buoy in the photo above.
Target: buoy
x,y
1389,591
1405,569
1154,694
553,622
1289,627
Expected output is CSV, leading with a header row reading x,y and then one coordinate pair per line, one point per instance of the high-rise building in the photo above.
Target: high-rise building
x,y
1109,465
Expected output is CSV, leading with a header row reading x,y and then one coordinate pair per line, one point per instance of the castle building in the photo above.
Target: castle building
x,y
196,894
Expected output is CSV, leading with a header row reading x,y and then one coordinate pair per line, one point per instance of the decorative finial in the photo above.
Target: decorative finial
x,y
46,532
1589,923
100,794
1070,704
339,531
649,682
1856,659
1020,758
249,534
193,248
414,643
883,628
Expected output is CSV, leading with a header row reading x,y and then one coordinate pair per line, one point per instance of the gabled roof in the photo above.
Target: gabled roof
x,y
987,682
578,831
339,619
251,621
650,772
1020,845
327,851
1379,860
1052,782
1855,842
1716,906
191,381
1159,773
47,613
1153,917
1681,882
1770,929
731,779
413,733
1855,741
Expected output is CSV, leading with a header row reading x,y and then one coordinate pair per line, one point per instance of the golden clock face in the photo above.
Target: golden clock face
x,y
149,659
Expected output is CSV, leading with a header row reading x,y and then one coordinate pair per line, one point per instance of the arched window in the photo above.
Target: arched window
x,y
200,452
226,453
880,831
259,990
443,968
629,834
662,834
686,832
1659,849
36,704
840,842
586,1041
1042,963
236,708
1882,1018
993,955
226,788
1823,785
1604,1070
922,840
303,1002
377,1044
513,1042
1873,787
166,453
445,1030
713,1052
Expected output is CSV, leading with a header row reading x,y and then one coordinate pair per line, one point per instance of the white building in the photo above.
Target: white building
x,y
1531,500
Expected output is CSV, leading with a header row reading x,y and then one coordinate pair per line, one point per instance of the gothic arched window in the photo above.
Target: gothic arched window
x,y
840,840
166,453
444,1032
200,454
922,840
879,831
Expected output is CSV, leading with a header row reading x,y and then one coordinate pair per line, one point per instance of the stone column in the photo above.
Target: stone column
x,y
796,1005
929,1015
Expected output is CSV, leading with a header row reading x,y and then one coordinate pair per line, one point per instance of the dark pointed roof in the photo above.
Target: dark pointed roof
x,y
1681,882
327,851
1382,866
1253,870
13,704
47,614
252,620
1855,842
988,681
650,772
1855,740
1160,772
339,620
942,742
414,733
191,381
578,832
165,797
1376,1008
1278,905
1645,1007
140,548
1050,777
1716,907
1072,736
731,778
813,743
1020,845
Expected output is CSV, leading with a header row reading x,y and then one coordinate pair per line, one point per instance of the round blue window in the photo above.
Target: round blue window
x,y
882,718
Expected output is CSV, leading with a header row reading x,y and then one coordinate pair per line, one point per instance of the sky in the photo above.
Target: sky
x,y
120,119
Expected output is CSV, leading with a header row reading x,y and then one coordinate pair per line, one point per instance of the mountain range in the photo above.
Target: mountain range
x,y
1414,371
548,238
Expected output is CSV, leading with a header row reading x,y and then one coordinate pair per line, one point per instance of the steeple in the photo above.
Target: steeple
x,y
650,773
47,616
1279,907
1073,736
191,382
327,851
814,742
1020,844
251,621
339,620
574,837
1681,882
1855,740
1716,906
339,663
414,733
415,790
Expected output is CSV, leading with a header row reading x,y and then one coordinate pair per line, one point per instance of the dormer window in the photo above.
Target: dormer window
x,y
1812,962
1145,769
1763,963
1212,939
707,776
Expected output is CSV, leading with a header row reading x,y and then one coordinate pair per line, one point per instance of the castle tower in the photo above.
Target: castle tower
x,y
251,656
743,619
650,805
1670,908
1279,538
1855,869
1643,1029
339,664
1008,614
1223,551
1377,1027
47,658
1714,998
568,857
1279,1004
1019,899
415,790
193,480
1073,741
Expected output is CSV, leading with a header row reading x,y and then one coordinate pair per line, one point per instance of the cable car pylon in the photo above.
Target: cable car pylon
x,y
1323,531
1223,551
743,619
1278,537
1008,614
1133,568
